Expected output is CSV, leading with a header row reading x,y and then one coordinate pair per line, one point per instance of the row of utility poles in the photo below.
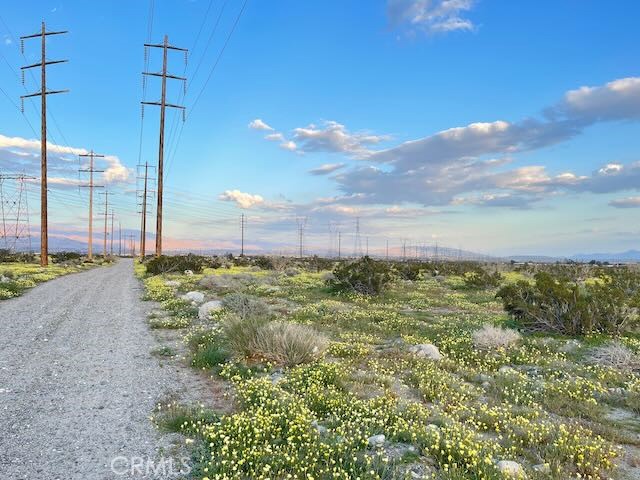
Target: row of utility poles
x,y
91,156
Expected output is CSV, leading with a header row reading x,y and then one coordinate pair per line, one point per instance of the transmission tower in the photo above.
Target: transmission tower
x,y
14,207
243,222
357,249
44,218
165,46
302,223
106,222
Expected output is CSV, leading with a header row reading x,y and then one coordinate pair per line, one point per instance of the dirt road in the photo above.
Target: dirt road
x,y
77,381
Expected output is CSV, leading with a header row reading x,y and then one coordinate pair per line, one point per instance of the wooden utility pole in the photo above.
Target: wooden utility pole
x,y
111,239
143,221
44,218
106,217
165,46
119,238
242,235
91,170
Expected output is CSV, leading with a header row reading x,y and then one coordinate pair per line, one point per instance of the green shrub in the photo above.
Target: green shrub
x,y
66,257
210,355
365,276
480,279
173,264
559,305
7,256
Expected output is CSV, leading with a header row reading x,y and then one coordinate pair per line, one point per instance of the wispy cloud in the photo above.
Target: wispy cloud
x,y
326,168
629,202
430,16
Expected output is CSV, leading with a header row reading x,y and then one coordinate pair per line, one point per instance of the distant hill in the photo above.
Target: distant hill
x,y
628,256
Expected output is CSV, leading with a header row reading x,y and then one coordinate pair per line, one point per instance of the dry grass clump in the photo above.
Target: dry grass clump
x,y
489,337
615,355
289,344
246,306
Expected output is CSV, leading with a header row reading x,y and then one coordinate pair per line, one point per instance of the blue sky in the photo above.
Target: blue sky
x,y
368,89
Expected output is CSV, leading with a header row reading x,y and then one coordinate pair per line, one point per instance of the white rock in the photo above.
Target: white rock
x,y
194,297
376,440
320,428
570,346
188,273
426,350
506,369
172,283
206,308
543,468
511,469
4,279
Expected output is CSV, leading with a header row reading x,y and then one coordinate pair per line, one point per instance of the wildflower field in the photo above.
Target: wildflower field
x,y
17,277
428,378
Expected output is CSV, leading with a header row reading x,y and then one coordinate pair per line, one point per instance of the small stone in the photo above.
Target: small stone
x,y
320,428
543,468
206,308
426,350
276,377
486,385
376,440
483,377
172,283
570,346
510,469
194,297
188,273
506,369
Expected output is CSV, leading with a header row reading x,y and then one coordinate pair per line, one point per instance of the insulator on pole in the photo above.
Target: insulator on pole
x,y
184,87
22,105
142,110
22,46
184,115
185,58
22,75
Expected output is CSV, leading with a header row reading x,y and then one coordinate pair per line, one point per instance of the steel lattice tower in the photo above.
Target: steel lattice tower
x,y
15,230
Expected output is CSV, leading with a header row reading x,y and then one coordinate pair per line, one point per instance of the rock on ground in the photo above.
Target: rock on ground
x,y
206,308
426,350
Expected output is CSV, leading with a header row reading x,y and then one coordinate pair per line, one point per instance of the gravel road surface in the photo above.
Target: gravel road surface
x,y
78,383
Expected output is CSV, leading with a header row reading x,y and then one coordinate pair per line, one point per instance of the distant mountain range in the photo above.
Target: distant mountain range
x,y
57,244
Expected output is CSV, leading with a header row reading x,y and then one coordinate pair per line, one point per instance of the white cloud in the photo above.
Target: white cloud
x,y
438,168
242,199
289,145
334,137
258,124
430,16
628,202
326,168
25,154
275,137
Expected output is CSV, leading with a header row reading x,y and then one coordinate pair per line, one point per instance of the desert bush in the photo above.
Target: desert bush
x,y
489,337
66,257
245,306
175,264
615,355
480,278
7,256
288,344
264,262
227,282
365,276
291,272
559,305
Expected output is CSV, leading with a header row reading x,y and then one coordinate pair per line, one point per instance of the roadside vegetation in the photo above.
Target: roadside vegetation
x,y
22,271
386,370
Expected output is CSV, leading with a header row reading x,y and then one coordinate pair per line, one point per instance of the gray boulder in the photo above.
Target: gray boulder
x,y
511,469
426,350
206,308
194,297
